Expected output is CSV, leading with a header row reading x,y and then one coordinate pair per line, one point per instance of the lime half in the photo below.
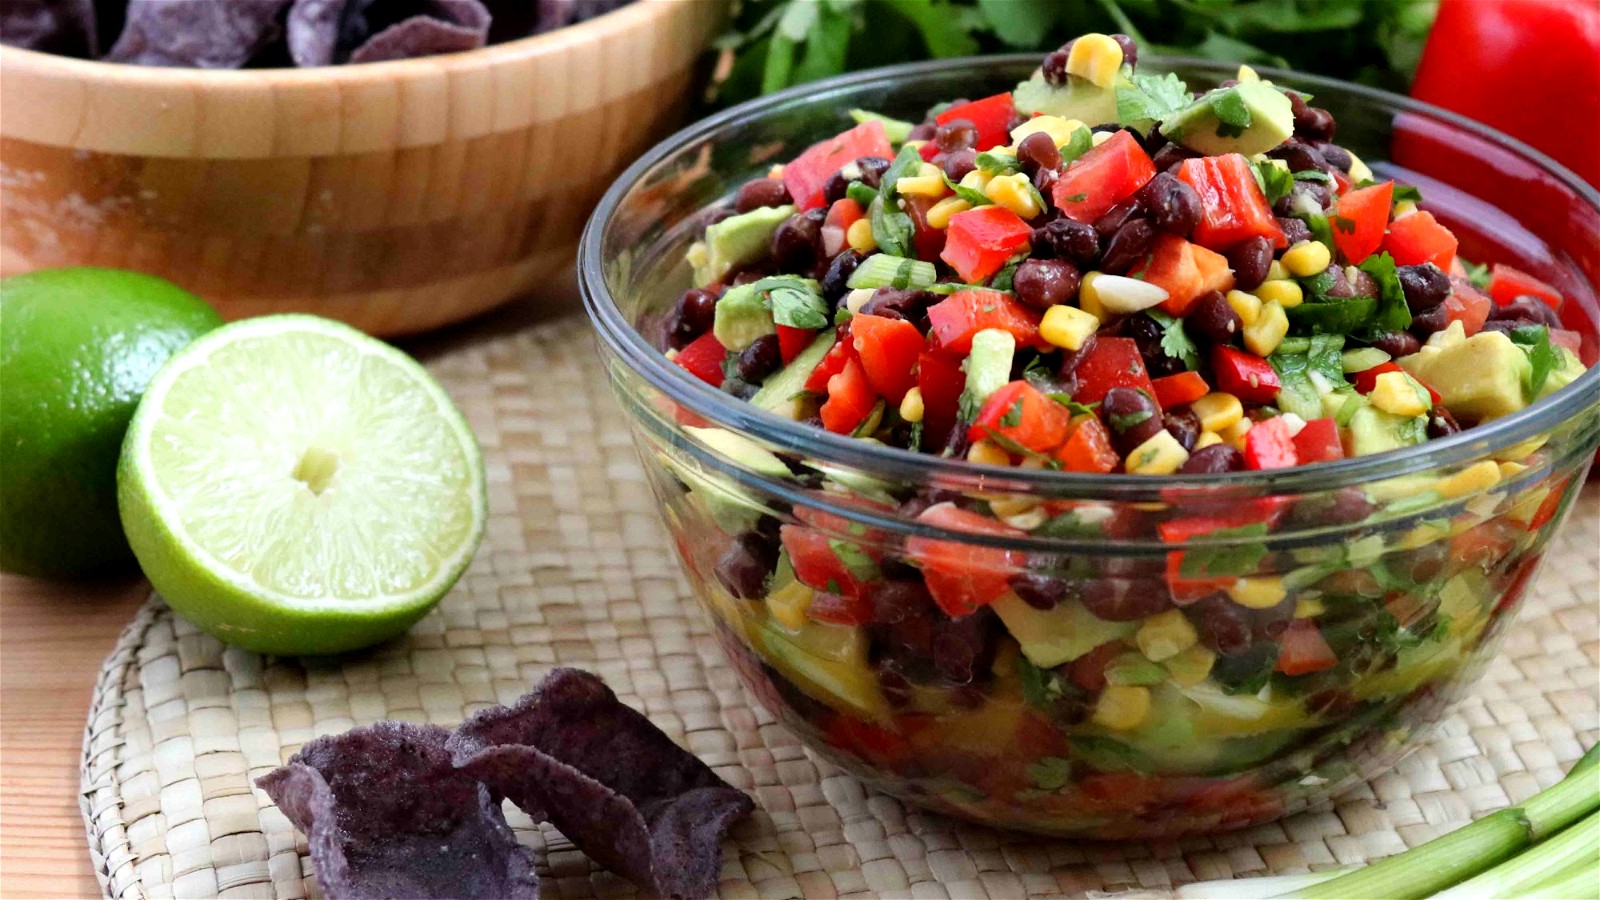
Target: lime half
x,y
295,487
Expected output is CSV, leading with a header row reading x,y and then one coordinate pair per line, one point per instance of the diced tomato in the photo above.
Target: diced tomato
x,y
832,363
1567,338
1484,545
837,609
1419,238
927,240
888,350
1020,414
1341,183
1215,275
1358,220
1318,442
850,399
979,241
1245,375
833,523
1176,390
874,743
1088,447
1089,670
963,577
1550,506
1467,305
808,173
955,319
817,565
1232,206
941,381
703,358
1269,445
791,341
1507,284
992,116
928,151
841,215
1367,379
1102,178
1111,362
1302,649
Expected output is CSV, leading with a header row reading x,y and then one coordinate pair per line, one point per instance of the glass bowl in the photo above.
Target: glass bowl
x,y
1178,684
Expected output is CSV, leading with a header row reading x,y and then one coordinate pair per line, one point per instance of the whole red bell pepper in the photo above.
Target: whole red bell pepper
x,y
979,241
1245,375
1102,178
1530,68
992,116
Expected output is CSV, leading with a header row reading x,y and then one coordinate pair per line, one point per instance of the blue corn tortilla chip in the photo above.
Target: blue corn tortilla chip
x,y
612,782
203,34
63,27
312,31
387,815
448,26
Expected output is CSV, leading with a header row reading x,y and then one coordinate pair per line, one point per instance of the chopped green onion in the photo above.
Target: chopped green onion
x,y
1256,888
860,193
897,130
881,270
1575,846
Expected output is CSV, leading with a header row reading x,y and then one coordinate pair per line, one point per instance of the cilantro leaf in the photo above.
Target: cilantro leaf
x,y
1407,192
1013,416
1067,525
998,162
1235,559
1081,142
1042,687
1313,175
1342,224
1233,114
1477,273
1175,342
1392,313
1151,97
1073,406
907,161
1276,181
891,228
795,302
1542,356
1121,422
856,561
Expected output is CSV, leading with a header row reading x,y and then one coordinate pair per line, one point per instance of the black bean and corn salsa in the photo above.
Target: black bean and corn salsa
x,y
1103,272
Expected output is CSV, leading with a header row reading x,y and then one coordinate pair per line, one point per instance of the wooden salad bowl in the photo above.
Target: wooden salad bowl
x,y
396,196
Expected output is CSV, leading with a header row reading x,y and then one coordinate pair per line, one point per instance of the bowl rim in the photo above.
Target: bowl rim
x,y
622,338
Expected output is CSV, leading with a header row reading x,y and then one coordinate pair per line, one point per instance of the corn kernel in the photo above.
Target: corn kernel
x,y
1309,608
1524,449
939,214
1234,434
1276,272
1284,292
1125,296
1404,208
976,180
671,354
1511,469
922,186
789,603
1258,591
1089,296
1122,707
1192,666
1027,520
1264,335
1246,74
1095,58
1248,306
1422,535
911,407
1479,476
1398,394
1527,506
1359,171
1165,635
1067,326
915,145
1160,455
1016,193
859,236
1100,137
1207,439
858,298
985,453
1218,410
775,171
1059,129
1307,258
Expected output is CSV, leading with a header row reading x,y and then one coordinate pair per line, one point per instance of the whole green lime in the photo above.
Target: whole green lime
x,y
77,347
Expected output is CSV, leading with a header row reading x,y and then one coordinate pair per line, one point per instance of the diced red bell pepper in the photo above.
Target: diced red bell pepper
x,y
1302,649
979,241
1215,274
1245,375
1367,379
1111,362
1269,445
926,240
1176,390
1550,506
850,399
928,151
1341,183
703,358
955,319
941,381
963,577
1019,413
832,363
1172,268
838,609
841,215
1232,206
1467,305
816,564
1358,219
791,341
1419,238
992,116
1318,442
808,173
1102,178
1243,512
1507,284
1088,447
888,350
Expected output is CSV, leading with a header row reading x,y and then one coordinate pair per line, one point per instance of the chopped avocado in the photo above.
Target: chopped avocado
x,y
741,450
1479,379
1362,359
742,317
780,391
988,368
828,662
1299,396
1371,430
1062,634
1079,99
858,483
1249,117
730,507
737,240
1563,374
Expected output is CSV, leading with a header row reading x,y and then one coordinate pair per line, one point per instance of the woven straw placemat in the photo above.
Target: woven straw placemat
x,y
577,570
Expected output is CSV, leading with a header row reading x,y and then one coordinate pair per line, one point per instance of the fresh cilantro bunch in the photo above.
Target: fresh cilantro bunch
x,y
773,44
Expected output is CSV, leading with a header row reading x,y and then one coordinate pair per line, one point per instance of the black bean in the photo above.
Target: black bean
x,y
963,648
1173,205
760,192
1250,260
833,190
957,134
1214,319
760,359
1118,599
1396,343
1363,284
797,243
1344,506
691,317
1430,322
1183,425
1170,155
717,214
1130,50
1336,156
1054,68
1044,181
1294,230
747,274
1222,625
872,169
1117,216
1132,416
1301,156
897,303
1526,310
835,284
1315,125
894,600
1297,104
922,131
1213,460
1043,283
957,164
1039,590
744,566
1441,423
1127,248
1425,286
1147,334
1038,151
1076,242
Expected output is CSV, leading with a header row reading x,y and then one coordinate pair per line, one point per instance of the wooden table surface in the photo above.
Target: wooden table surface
x,y
53,637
